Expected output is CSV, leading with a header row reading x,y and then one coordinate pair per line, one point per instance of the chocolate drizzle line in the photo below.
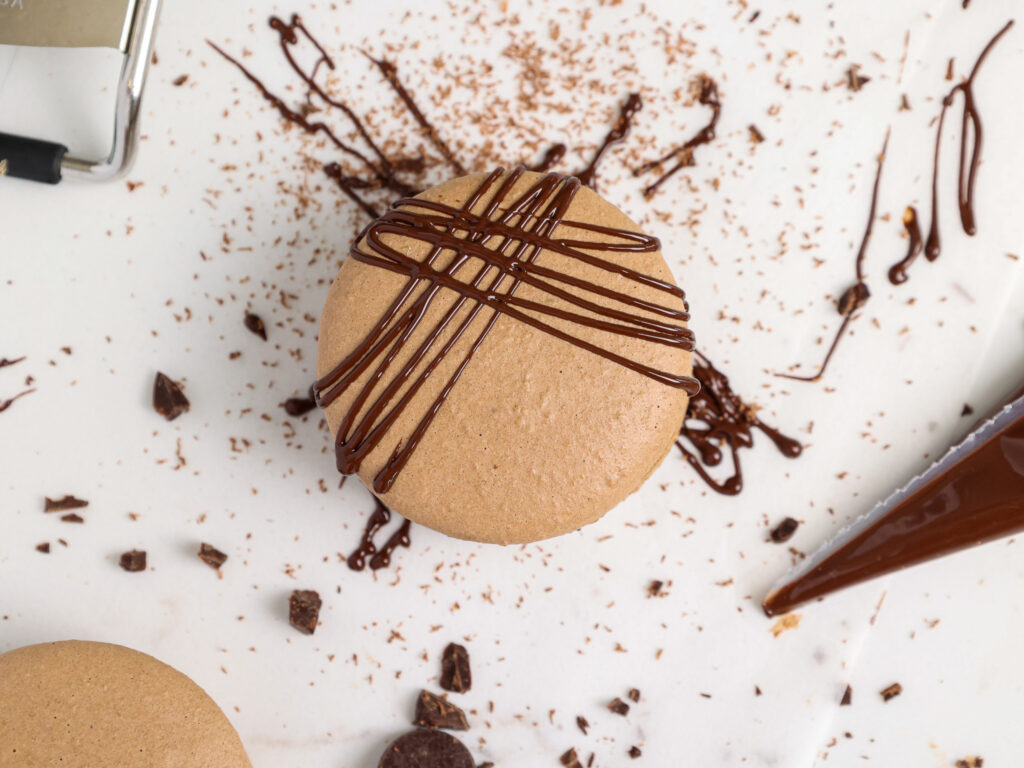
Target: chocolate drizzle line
x,y
5,404
717,418
619,130
898,271
4,362
524,228
856,296
381,558
707,94
970,136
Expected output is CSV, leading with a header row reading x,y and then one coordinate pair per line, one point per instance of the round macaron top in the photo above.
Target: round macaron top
x,y
80,703
504,357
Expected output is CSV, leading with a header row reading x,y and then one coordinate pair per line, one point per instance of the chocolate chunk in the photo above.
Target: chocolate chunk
x,y
634,695
455,672
757,690
853,298
426,749
304,610
212,556
133,561
619,707
582,723
847,699
784,531
300,406
967,410
71,517
255,324
432,711
654,588
60,505
570,759
168,399
891,692
634,752
44,547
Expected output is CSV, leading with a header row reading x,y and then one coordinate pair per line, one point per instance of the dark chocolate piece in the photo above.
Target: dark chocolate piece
x,y
168,398
847,699
62,504
619,707
570,759
784,531
455,671
654,588
133,561
634,695
304,610
582,724
255,325
433,711
634,752
854,80
44,547
891,692
424,748
71,517
212,556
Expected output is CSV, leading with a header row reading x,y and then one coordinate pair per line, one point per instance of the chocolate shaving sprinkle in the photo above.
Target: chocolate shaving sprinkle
x,y
969,762
582,724
71,517
255,324
634,695
212,556
44,547
133,561
634,752
654,588
570,759
854,80
455,672
63,504
4,362
304,610
433,711
891,692
426,749
847,699
755,135
619,707
784,531
168,398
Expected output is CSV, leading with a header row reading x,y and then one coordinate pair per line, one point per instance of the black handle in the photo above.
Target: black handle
x,y
30,159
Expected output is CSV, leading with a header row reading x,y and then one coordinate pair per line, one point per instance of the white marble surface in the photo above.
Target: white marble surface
x,y
118,277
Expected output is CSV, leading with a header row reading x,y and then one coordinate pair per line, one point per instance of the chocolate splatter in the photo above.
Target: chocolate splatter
x,y
381,558
707,94
717,418
300,406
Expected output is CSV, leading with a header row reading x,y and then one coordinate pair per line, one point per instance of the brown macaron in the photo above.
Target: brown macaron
x,y
80,703
506,356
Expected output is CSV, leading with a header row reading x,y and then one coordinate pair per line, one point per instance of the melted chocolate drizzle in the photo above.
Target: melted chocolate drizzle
x,y
525,227
970,137
4,362
619,130
379,558
854,297
707,94
898,271
5,404
717,418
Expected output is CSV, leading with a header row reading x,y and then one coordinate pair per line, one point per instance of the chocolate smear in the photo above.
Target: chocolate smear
x,y
212,556
455,671
433,711
854,80
255,325
168,398
133,561
63,504
634,695
426,749
304,610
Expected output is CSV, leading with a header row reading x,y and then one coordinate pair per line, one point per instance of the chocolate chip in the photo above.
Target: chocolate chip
x,y
212,556
455,672
432,711
847,699
168,399
300,406
426,749
582,723
60,505
255,324
71,517
619,707
570,759
133,561
634,695
304,610
784,531
853,298
891,692
44,547
634,752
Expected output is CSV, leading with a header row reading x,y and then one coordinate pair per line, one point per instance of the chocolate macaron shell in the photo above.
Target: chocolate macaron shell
x,y
539,436
80,703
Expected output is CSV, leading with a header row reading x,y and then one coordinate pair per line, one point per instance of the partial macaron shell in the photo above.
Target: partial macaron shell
x,y
78,703
539,436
